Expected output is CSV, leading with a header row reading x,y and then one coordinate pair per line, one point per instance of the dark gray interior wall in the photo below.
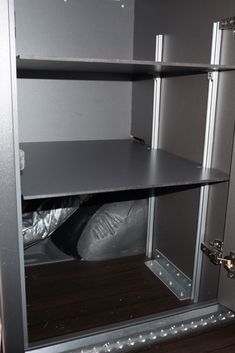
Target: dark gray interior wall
x,y
73,110
142,109
183,115
75,28
182,129
60,110
176,227
187,26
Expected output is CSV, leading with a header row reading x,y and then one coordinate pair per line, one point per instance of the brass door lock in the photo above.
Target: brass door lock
x,y
214,250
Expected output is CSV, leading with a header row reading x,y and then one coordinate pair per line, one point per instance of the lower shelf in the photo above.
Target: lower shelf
x,y
74,296
55,169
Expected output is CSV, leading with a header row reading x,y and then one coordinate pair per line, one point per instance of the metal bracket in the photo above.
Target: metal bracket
x,y
214,250
171,276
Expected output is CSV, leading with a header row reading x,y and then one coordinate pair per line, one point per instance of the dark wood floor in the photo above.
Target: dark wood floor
x,y
220,340
74,296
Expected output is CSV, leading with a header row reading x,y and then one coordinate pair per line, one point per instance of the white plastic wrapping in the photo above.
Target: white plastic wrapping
x,y
41,223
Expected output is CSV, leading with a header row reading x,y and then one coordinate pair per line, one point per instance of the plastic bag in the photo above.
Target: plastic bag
x,y
116,230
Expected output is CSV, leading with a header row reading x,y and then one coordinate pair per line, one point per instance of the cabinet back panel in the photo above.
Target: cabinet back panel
x,y
69,110
183,116
79,28
142,110
182,129
176,227
54,110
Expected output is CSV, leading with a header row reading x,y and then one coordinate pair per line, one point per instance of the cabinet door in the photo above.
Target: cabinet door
x,y
227,285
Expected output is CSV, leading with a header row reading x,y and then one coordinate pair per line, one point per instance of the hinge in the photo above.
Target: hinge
x,y
214,251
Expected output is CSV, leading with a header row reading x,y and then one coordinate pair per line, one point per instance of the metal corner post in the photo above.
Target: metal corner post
x,y
207,157
12,286
155,140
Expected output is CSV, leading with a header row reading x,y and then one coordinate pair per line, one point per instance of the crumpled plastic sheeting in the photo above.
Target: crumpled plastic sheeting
x,y
41,223
115,230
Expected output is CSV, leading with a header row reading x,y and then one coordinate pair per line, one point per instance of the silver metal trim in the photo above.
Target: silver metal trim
x,y
12,288
155,141
17,168
178,283
207,157
154,331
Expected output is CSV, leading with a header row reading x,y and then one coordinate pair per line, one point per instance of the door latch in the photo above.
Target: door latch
x,y
214,251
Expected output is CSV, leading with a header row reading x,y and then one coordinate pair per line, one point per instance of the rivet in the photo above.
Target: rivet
x,y
163,333
142,339
152,336
120,346
130,342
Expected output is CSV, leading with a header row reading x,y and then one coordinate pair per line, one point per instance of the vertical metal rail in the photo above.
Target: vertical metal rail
x,y
155,141
17,167
207,157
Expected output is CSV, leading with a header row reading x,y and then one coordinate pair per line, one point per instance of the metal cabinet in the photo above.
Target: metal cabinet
x,y
183,111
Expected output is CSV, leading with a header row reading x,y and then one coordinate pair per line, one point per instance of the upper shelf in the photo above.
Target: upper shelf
x,y
55,169
33,66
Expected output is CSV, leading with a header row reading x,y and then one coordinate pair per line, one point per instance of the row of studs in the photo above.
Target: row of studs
x,y
149,337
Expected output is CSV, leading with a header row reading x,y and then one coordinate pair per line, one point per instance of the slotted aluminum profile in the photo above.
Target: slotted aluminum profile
x,y
155,141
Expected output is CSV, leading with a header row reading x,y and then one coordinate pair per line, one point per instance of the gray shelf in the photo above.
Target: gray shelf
x,y
68,168
33,66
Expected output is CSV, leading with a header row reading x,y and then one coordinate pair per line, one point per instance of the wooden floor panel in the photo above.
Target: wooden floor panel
x,y
73,296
